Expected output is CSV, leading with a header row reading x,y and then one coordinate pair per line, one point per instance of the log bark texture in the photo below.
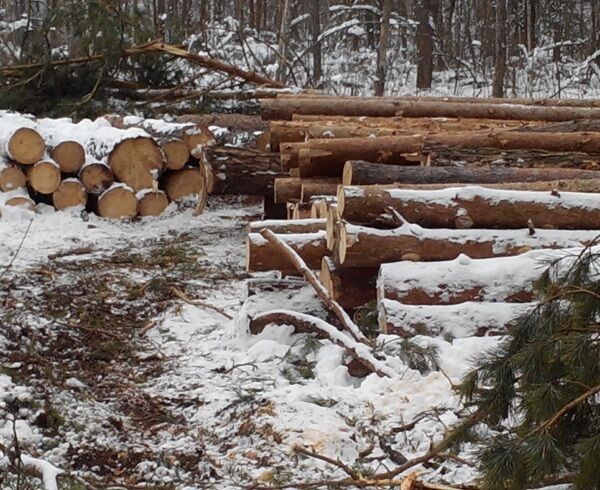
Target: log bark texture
x,y
358,246
484,208
243,171
364,173
350,287
285,108
283,227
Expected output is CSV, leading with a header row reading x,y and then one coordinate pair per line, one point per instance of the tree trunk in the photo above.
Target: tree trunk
x,y
384,38
425,33
358,246
500,45
284,32
365,173
262,256
471,207
503,279
315,30
456,321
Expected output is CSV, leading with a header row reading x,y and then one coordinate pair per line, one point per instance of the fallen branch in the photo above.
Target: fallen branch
x,y
321,291
357,350
200,304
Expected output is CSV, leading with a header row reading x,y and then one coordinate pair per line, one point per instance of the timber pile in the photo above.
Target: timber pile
x,y
123,167
439,215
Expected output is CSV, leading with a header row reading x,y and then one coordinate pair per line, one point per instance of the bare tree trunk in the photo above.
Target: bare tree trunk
x,y
315,28
500,64
284,29
384,37
425,34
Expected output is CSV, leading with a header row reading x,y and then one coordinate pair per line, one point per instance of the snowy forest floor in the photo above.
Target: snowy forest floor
x,y
108,373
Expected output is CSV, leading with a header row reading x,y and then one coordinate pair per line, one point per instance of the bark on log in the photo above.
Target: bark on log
x,y
152,203
318,127
69,194
461,100
301,210
358,246
455,321
284,227
486,208
96,177
318,188
350,287
289,189
284,108
243,171
261,256
182,184
118,202
11,178
364,173
327,157
44,177
19,140
503,279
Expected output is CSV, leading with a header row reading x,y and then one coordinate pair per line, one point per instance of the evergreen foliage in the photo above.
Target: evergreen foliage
x,y
538,392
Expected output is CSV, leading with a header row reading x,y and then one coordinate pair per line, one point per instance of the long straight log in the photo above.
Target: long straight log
x,y
261,256
327,157
312,189
285,108
472,207
457,99
363,173
350,287
455,321
358,246
503,279
318,127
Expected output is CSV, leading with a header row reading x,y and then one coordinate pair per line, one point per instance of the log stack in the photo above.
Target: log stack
x,y
434,213
118,167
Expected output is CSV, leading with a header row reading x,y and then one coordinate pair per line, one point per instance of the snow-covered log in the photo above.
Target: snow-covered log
x,y
288,226
359,246
460,320
70,193
11,177
44,177
96,177
472,207
351,287
503,279
365,173
152,203
65,145
117,202
19,139
180,184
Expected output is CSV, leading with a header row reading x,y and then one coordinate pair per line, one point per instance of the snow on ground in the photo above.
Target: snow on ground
x,y
109,374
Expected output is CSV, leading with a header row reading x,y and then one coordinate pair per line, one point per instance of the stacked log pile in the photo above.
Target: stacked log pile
x,y
440,215
123,167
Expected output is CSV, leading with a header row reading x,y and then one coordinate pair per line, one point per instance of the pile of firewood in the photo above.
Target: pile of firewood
x,y
378,189
118,167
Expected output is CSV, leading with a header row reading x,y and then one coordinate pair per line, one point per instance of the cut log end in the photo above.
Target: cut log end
x,y
184,183
70,193
26,146
347,174
12,178
176,153
197,138
153,204
117,203
21,202
69,155
44,177
133,160
96,178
